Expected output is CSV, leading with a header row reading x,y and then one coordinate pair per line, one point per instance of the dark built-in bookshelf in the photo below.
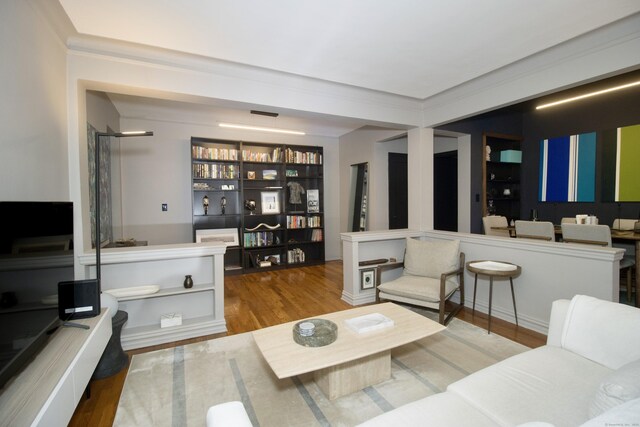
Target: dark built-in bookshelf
x,y
264,201
501,175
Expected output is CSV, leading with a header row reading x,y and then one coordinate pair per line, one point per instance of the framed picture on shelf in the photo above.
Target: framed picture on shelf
x,y
269,174
313,201
270,202
228,236
368,278
251,174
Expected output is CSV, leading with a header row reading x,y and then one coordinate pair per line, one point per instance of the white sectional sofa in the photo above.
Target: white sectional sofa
x,y
588,374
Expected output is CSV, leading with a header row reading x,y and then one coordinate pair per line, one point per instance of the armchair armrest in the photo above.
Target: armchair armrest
x,y
458,271
386,267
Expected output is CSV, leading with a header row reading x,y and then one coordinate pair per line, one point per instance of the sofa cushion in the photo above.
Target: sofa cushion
x,y
626,414
603,331
618,387
417,287
438,410
431,258
546,384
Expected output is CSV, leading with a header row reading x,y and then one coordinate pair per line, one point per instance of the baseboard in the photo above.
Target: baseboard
x,y
139,337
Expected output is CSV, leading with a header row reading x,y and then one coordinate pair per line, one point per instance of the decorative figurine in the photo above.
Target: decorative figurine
x,y
250,205
295,190
488,154
205,204
223,204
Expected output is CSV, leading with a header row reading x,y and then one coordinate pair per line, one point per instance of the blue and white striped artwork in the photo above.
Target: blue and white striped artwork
x,y
568,168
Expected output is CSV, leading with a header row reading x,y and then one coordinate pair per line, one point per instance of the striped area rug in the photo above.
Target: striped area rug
x,y
175,387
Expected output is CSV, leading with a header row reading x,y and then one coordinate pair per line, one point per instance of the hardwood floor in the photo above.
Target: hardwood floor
x,y
258,300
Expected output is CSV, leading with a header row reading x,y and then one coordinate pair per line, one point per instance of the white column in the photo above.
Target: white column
x,y
420,183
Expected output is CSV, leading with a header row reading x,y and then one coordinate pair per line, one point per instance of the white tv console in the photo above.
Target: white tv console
x,y
48,390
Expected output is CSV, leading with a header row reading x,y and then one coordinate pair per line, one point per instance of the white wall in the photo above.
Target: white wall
x,y
33,107
157,169
361,146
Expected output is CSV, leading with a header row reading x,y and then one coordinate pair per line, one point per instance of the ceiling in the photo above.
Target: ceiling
x,y
410,48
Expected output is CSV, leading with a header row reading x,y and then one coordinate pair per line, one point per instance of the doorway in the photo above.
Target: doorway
x,y
445,191
398,193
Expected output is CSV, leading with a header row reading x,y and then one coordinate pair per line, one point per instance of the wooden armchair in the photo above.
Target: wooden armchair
x,y
433,272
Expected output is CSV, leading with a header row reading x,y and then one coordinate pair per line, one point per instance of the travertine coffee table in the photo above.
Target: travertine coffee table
x,y
354,361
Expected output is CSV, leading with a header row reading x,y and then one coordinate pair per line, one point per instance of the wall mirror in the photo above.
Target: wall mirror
x,y
358,197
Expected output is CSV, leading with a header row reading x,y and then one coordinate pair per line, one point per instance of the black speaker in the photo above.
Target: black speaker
x,y
78,299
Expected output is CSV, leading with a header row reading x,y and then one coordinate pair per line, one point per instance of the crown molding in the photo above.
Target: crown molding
x,y
607,51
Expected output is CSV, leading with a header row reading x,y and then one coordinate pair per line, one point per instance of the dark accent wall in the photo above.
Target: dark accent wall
x,y
500,121
597,114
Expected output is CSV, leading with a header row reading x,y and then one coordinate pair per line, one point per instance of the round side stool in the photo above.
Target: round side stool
x,y
494,269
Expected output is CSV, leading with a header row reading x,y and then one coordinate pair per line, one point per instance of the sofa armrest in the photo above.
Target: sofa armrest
x,y
229,414
605,332
556,322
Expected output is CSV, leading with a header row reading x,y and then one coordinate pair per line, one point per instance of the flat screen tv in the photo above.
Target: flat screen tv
x,y
36,252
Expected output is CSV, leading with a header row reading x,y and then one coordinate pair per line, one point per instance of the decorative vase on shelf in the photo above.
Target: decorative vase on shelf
x,y
188,281
250,205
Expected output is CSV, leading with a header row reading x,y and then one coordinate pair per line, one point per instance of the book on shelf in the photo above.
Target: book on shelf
x,y
295,256
303,157
214,171
260,238
272,156
212,153
316,235
301,221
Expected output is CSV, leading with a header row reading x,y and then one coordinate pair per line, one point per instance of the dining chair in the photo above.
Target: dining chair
x,y
491,221
596,235
535,230
624,224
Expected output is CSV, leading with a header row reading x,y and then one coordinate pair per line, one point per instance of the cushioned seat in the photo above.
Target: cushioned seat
x,y
418,287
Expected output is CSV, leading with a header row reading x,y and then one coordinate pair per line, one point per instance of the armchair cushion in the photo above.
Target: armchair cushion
x,y
431,258
418,287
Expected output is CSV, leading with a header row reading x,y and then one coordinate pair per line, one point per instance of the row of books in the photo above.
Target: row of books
x,y
316,235
295,256
214,171
299,221
273,156
208,153
260,238
306,157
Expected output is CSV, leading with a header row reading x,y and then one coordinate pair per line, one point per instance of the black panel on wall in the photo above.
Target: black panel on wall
x,y
599,114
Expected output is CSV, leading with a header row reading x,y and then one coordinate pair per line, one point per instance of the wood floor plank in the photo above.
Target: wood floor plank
x,y
258,300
